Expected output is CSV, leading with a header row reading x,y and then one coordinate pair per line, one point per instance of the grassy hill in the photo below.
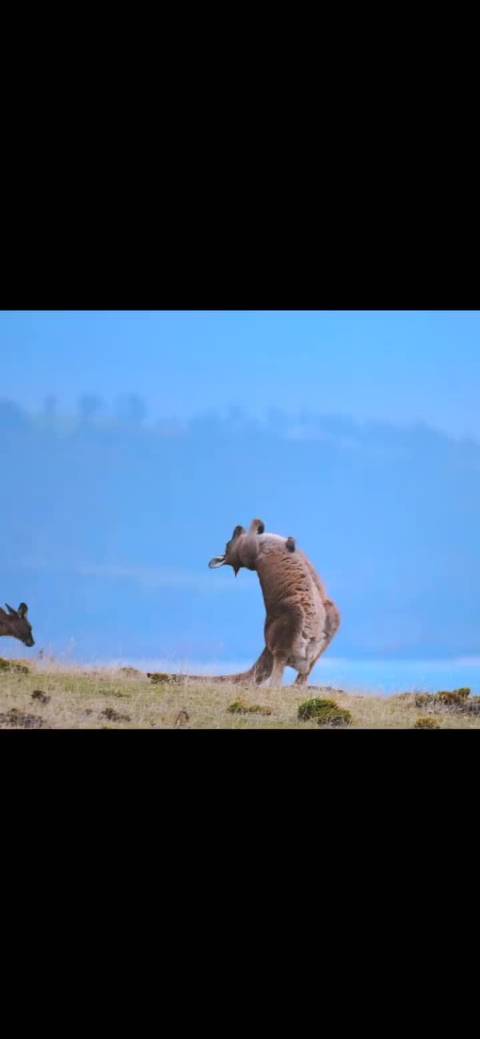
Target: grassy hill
x,y
53,697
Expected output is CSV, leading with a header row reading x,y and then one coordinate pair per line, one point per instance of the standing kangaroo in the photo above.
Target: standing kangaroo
x,y
16,625
301,621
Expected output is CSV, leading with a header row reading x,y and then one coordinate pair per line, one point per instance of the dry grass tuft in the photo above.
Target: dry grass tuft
x,y
426,723
14,665
455,700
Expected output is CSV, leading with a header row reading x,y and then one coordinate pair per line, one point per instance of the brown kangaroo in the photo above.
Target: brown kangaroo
x,y
16,625
301,620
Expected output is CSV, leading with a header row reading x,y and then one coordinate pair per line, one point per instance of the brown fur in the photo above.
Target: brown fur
x,y
301,621
16,625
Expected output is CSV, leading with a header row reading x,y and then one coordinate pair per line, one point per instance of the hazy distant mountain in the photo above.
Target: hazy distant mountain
x,y
108,526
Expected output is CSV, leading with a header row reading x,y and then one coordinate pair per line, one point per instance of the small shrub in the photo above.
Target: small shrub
x,y
164,677
12,665
39,695
16,719
115,716
456,698
236,708
240,707
426,723
324,712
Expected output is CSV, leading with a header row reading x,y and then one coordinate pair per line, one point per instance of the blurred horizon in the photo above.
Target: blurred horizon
x,y
399,366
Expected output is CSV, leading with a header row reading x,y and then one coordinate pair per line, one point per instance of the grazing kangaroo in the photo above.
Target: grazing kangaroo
x,y
301,621
15,624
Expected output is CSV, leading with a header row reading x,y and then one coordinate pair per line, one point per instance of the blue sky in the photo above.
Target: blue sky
x,y
405,367
108,528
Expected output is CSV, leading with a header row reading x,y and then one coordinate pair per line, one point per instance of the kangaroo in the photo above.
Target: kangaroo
x,y
16,625
301,620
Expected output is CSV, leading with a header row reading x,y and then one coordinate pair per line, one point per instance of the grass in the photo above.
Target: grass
x,y
126,699
325,712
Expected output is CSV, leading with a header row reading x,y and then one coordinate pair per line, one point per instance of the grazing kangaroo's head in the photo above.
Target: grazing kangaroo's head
x,y
16,624
242,548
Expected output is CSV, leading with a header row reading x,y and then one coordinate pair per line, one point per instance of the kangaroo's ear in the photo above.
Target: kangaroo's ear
x,y
237,531
216,561
11,610
257,526
22,609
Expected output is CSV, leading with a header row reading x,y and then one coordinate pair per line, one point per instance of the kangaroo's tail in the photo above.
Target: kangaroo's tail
x,y
259,672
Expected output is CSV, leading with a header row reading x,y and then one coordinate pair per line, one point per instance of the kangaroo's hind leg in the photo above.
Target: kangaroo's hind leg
x,y
332,624
281,635
279,663
304,674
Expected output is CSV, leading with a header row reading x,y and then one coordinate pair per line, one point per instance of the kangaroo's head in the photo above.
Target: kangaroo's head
x,y
242,548
16,624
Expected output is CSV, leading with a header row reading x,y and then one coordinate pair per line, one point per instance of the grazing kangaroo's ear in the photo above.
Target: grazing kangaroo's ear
x,y
11,610
22,609
237,531
257,526
290,543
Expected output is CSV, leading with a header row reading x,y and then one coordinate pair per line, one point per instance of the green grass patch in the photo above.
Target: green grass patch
x,y
324,712
240,707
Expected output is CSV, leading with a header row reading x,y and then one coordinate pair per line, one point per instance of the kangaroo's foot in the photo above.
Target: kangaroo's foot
x,y
303,676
